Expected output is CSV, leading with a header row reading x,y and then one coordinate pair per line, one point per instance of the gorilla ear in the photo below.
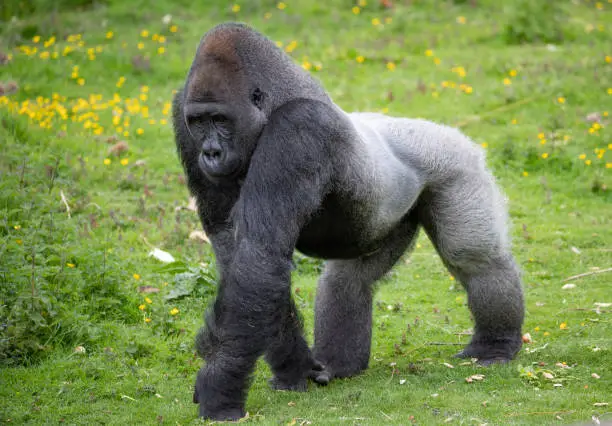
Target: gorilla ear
x,y
257,97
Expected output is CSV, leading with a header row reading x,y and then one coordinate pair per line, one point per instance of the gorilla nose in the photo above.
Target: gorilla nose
x,y
212,154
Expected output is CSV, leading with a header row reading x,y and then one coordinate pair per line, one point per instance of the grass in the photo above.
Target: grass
x,y
83,340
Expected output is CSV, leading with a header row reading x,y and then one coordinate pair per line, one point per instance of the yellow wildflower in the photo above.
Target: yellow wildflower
x,y
149,301
107,161
142,307
174,311
125,161
390,66
360,59
281,5
236,8
136,277
356,10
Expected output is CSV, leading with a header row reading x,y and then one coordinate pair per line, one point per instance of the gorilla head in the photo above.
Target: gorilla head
x,y
238,77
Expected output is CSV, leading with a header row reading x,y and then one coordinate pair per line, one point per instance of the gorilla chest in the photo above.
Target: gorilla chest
x,y
339,230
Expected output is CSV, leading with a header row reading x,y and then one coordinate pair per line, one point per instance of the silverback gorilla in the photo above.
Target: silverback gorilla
x,y
276,166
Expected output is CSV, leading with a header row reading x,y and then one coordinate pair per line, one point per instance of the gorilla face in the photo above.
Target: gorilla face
x,y
223,115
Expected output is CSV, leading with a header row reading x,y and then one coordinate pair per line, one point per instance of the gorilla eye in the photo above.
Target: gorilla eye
x,y
257,98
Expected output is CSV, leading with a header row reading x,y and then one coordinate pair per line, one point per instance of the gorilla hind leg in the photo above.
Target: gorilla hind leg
x,y
343,310
466,222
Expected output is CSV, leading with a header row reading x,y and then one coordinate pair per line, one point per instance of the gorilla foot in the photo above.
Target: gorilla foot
x,y
229,414
491,351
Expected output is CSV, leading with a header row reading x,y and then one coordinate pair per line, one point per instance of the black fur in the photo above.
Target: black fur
x,y
274,166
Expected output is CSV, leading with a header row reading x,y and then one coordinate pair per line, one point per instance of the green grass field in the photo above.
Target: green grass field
x,y
94,331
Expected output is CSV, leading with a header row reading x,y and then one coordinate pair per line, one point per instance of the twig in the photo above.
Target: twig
x,y
386,415
493,111
575,277
65,201
540,413
444,344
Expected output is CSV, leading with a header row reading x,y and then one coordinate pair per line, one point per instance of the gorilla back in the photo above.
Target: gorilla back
x,y
275,165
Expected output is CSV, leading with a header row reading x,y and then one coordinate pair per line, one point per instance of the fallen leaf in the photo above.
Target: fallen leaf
x,y
291,404
162,256
527,338
568,286
594,116
595,376
602,305
547,375
475,377
558,385
140,63
601,404
448,365
199,235
192,205
118,148
147,289
402,381
79,350
576,250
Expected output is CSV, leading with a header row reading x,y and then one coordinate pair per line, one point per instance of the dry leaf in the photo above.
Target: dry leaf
x,y
527,338
602,305
594,116
162,256
148,289
118,148
601,404
402,381
448,365
595,376
199,235
548,376
475,377
575,250
568,286
192,205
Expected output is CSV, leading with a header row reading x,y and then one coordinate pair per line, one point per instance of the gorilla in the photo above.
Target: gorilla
x,y
275,165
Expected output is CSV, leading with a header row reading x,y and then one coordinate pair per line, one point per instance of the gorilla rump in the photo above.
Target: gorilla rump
x,y
276,166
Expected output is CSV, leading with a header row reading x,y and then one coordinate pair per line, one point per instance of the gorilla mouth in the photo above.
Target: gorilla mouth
x,y
222,167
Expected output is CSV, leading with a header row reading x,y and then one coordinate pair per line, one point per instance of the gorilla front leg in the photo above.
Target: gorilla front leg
x,y
343,311
245,318
289,356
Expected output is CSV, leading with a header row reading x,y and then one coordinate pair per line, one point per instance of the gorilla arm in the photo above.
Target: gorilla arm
x,y
289,176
